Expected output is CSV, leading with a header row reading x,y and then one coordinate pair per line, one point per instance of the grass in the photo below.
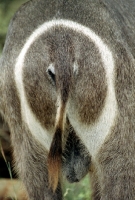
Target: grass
x,y
9,169
5,15
77,191
7,163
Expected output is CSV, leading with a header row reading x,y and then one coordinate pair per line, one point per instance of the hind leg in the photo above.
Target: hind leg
x,y
31,164
95,186
116,162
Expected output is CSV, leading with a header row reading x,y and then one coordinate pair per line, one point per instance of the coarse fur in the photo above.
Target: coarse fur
x,y
71,60
76,162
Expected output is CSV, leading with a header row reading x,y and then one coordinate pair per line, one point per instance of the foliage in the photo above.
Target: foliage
x,y
77,191
7,10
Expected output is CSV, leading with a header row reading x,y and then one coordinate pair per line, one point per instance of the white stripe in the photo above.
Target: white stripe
x,y
92,136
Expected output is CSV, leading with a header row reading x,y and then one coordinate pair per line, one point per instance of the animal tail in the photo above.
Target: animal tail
x,y
63,73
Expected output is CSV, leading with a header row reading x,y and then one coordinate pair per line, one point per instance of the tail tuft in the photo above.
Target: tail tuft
x,y
64,56
54,159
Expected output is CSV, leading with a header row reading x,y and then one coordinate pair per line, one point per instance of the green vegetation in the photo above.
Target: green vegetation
x,y
77,191
7,10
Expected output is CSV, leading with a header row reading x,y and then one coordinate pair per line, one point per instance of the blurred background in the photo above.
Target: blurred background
x,y
10,186
7,10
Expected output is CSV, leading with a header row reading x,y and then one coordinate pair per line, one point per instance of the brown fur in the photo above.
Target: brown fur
x,y
65,83
54,159
81,94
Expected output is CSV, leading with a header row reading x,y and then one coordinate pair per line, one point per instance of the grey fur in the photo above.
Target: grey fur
x,y
113,171
76,160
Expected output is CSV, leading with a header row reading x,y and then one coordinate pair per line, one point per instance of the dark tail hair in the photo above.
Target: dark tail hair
x,y
63,73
